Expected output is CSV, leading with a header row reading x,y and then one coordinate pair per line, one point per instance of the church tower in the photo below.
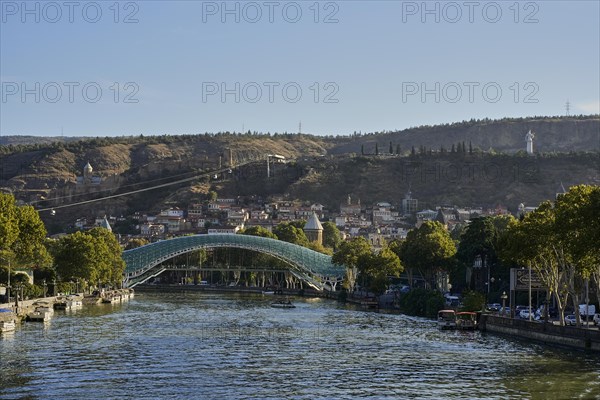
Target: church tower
x,y
313,229
87,173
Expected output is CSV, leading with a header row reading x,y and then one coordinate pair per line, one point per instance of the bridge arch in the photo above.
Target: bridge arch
x,y
313,268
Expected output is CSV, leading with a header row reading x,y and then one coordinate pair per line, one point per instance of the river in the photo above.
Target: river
x,y
202,345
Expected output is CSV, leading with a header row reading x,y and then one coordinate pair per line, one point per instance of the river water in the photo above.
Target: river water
x,y
198,345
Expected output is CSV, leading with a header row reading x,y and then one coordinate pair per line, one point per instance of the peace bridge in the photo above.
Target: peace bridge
x,y
311,267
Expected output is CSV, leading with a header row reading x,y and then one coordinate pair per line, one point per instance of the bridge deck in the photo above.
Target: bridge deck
x,y
305,263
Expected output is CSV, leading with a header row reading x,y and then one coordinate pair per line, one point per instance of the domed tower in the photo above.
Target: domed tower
x,y
313,229
87,173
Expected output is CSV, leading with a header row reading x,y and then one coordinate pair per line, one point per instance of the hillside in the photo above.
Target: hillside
x,y
323,169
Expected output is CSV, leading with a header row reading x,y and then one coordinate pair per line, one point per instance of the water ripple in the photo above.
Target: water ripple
x,y
206,346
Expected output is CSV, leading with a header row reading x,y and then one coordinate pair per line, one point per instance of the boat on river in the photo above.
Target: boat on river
x,y
466,320
282,304
70,302
7,321
111,298
446,319
44,306
7,326
43,311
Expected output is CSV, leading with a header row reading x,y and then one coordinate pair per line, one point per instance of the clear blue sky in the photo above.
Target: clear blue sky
x,y
378,65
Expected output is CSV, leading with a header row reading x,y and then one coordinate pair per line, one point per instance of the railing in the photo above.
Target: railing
x,y
542,327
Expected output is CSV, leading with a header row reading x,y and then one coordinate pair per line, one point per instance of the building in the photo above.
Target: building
x,y
313,229
88,177
409,205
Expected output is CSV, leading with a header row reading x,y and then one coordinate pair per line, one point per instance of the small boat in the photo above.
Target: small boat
x,y
44,306
69,302
446,319
7,326
268,292
466,320
282,304
41,314
111,299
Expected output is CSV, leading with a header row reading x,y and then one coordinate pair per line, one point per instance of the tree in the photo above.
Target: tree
x,y
22,235
532,242
211,196
470,147
478,240
376,149
331,235
289,233
349,254
110,262
377,268
577,225
30,248
391,149
428,249
9,227
94,256
259,231
75,257
398,149
135,243
318,247
362,149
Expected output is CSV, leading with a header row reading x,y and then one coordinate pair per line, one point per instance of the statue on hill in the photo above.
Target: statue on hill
x,y
529,137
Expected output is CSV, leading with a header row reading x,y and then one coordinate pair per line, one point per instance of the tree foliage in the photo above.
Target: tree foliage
x,y
350,254
290,233
561,242
377,268
22,235
428,249
331,235
94,256
259,231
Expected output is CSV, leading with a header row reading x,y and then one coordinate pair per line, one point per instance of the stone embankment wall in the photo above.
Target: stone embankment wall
x,y
570,336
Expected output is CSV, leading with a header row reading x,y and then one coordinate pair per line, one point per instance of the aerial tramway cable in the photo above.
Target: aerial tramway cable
x,y
52,209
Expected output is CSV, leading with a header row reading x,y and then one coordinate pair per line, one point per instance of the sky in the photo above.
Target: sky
x,y
108,68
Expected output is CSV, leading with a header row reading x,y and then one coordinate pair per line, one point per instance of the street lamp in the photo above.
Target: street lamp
x,y
503,297
44,283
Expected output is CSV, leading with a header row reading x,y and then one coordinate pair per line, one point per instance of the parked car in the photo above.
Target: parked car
x,y
597,319
494,307
570,320
504,311
525,313
518,309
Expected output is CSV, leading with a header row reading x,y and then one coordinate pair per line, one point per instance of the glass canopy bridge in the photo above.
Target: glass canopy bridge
x,y
313,268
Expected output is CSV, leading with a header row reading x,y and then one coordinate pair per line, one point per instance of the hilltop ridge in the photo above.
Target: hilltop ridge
x,y
488,165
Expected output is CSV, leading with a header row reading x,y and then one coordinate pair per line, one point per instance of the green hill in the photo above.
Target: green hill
x,y
324,169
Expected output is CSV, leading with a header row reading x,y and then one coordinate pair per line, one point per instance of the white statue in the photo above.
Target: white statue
x,y
529,137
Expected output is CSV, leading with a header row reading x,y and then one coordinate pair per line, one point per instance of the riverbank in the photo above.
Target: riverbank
x,y
20,310
544,333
